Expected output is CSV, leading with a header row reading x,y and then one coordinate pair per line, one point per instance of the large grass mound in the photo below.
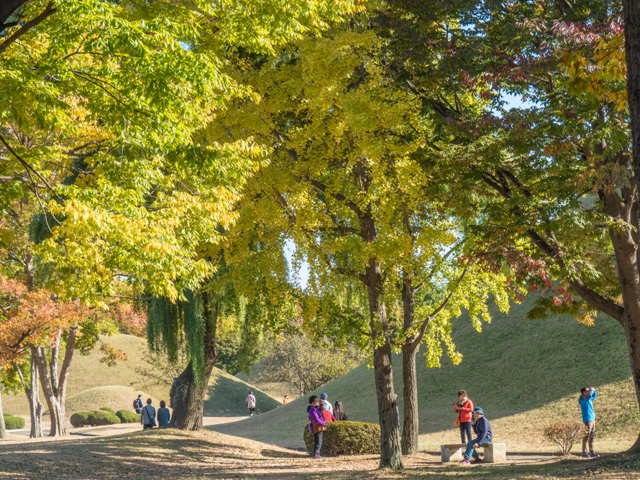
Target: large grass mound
x,y
89,379
114,396
525,374
227,394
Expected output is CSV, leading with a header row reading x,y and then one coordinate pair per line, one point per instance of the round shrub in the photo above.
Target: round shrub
x,y
127,416
346,438
100,417
81,419
108,409
13,423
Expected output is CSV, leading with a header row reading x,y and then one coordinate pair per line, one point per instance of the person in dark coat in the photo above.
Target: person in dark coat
x,y
482,429
164,415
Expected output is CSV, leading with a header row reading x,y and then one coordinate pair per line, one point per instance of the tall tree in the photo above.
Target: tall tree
x,y
553,182
345,182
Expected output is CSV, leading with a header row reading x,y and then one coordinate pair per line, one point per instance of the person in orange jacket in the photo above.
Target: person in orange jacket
x,y
464,408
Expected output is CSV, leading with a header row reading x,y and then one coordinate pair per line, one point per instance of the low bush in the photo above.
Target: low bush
x,y
346,438
93,418
108,409
81,419
13,423
127,416
100,417
563,435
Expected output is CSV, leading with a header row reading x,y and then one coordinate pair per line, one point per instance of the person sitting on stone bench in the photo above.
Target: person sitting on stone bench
x,y
482,429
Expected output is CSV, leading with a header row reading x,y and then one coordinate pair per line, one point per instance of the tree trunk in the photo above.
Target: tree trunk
x,y
54,385
626,251
3,430
409,376
390,449
632,47
410,424
187,395
33,396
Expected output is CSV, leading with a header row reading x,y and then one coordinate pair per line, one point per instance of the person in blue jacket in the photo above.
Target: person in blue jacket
x,y
482,429
588,395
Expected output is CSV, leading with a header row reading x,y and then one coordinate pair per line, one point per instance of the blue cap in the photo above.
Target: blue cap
x,y
323,396
478,410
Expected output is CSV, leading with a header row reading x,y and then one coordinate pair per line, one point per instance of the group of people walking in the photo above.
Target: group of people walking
x,y
148,413
321,412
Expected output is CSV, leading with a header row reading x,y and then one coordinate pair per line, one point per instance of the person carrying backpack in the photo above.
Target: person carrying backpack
x,y
137,404
148,416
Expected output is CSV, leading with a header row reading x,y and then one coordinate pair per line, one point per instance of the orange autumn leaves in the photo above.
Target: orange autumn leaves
x,y
31,317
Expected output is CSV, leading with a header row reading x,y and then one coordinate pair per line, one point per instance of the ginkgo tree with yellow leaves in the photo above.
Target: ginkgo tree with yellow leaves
x,y
99,104
346,182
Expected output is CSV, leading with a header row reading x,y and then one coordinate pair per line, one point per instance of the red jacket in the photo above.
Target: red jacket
x,y
327,416
465,411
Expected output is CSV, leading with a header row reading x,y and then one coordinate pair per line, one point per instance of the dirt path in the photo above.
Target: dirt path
x,y
168,453
22,435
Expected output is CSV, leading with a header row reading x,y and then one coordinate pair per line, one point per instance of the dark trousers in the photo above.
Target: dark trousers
x,y
252,411
317,443
465,427
147,425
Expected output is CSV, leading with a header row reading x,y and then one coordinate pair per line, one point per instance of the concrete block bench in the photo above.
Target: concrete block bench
x,y
493,452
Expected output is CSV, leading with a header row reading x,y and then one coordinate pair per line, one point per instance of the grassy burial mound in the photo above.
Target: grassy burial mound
x,y
117,397
92,384
525,374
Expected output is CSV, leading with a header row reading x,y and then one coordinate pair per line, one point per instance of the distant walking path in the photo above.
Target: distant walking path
x,y
22,435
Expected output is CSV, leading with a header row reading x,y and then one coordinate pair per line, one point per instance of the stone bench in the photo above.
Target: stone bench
x,y
493,452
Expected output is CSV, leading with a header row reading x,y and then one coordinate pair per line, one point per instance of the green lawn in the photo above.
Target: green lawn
x,y
525,374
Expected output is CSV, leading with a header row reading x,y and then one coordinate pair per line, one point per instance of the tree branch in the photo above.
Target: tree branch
x,y
425,323
47,12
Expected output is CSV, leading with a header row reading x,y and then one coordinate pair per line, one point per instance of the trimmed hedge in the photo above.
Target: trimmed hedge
x,y
100,417
108,409
13,423
80,419
93,418
127,416
346,438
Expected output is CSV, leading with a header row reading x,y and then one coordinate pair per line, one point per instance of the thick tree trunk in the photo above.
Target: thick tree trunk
x,y
3,430
187,395
632,47
626,251
390,449
409,376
